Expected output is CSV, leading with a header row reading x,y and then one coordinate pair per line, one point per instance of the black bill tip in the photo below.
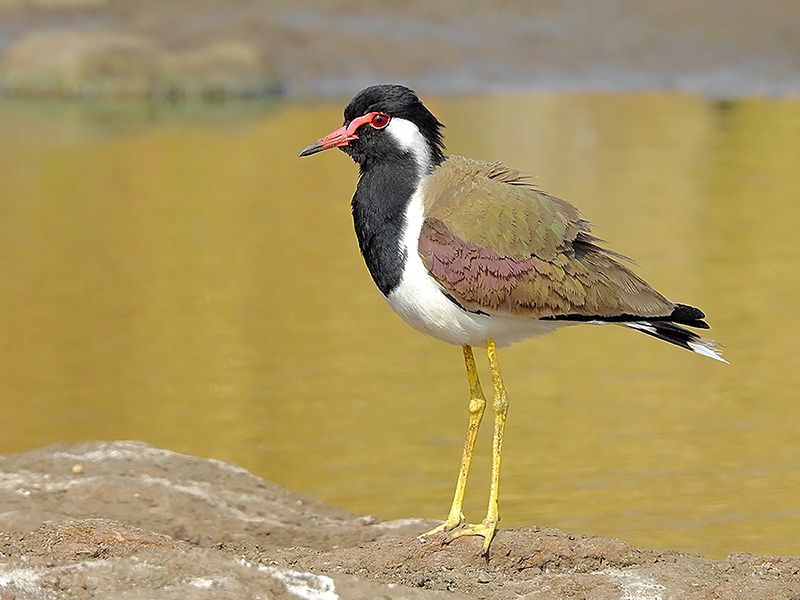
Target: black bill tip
x,y
311,149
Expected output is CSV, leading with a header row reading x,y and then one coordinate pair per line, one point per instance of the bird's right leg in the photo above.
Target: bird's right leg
x,y
477,404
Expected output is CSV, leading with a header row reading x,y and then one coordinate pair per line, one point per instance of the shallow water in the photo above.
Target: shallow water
x,y
182,278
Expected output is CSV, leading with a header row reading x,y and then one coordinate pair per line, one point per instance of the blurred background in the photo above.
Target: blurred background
x,y
171,272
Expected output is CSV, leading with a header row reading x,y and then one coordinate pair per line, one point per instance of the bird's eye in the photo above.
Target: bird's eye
x,y
379,120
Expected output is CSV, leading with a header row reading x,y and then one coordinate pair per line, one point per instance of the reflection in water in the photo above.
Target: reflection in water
x,y
191,283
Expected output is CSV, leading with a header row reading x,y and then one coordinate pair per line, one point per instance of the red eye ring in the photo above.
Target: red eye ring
x,y
379,120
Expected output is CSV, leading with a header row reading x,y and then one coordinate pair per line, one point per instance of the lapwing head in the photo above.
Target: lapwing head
x,y
384,123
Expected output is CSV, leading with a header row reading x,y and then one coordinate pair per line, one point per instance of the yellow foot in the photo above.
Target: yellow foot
x,y
450,524
486,530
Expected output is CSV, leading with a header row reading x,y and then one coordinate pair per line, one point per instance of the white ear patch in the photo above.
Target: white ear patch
x,y
410,138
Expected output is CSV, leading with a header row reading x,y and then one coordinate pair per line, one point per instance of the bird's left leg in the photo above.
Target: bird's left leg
x,y
487,528
477,404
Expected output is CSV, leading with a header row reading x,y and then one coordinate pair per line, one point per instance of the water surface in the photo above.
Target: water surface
x,y
184,279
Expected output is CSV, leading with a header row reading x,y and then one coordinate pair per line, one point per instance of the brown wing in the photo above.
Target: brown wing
x,y
500,246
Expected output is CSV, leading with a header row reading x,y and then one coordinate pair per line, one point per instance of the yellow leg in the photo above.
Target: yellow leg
x,y
487,528
477,404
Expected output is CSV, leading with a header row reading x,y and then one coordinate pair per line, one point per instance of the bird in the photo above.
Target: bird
x,y
472,254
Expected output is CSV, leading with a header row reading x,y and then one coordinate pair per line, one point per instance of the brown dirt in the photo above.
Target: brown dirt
x,y
90,48
126,520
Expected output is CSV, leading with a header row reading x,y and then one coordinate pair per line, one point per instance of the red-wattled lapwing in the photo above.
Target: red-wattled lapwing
x,y
470,253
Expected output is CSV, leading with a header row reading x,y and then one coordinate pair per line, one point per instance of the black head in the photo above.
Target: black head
x,y
384,123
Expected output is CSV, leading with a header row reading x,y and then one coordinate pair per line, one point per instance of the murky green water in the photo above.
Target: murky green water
x,y
185,280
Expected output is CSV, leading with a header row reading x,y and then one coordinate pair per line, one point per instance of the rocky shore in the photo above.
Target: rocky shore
x,y
126,520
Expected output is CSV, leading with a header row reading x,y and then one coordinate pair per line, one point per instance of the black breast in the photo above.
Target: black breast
x,y
379,206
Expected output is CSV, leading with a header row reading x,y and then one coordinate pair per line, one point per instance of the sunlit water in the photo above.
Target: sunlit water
x,y
184,279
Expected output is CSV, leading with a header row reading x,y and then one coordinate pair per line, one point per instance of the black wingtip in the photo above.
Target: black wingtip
x,y
686,312
697,323
688,315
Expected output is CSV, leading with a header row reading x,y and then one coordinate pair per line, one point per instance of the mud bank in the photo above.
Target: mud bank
x,y
126,520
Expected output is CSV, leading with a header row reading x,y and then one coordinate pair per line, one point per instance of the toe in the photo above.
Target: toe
x,y
446,526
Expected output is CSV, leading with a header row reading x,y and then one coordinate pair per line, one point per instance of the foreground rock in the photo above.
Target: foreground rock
x,y
201,501
126,520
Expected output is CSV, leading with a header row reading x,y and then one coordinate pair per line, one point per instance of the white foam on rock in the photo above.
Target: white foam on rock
x,y
203,583
21,580
635,586
306,586
398,523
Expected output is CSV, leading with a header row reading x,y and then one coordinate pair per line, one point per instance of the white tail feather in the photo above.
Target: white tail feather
x,y
706,349
675,334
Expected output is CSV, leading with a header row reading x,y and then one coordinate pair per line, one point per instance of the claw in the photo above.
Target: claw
x,y
486,530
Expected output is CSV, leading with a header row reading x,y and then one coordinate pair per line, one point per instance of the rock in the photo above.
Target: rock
x,y
82,63
113,64
202,501
102,559
213,71
141,522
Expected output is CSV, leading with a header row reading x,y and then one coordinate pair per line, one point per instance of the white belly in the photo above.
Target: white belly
x,y
420,301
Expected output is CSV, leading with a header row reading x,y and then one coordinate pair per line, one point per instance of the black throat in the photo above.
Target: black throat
x,y
379,213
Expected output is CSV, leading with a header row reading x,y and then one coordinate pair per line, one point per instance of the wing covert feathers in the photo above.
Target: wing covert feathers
x,y
498,245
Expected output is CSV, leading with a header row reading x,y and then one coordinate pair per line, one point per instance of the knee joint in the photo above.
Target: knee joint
x,y
476,405
500,403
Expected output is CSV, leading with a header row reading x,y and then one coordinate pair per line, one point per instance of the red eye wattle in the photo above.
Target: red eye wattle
x,y
379,120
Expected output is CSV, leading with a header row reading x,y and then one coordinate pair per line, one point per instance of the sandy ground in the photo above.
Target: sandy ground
x,y
126,520
218,48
